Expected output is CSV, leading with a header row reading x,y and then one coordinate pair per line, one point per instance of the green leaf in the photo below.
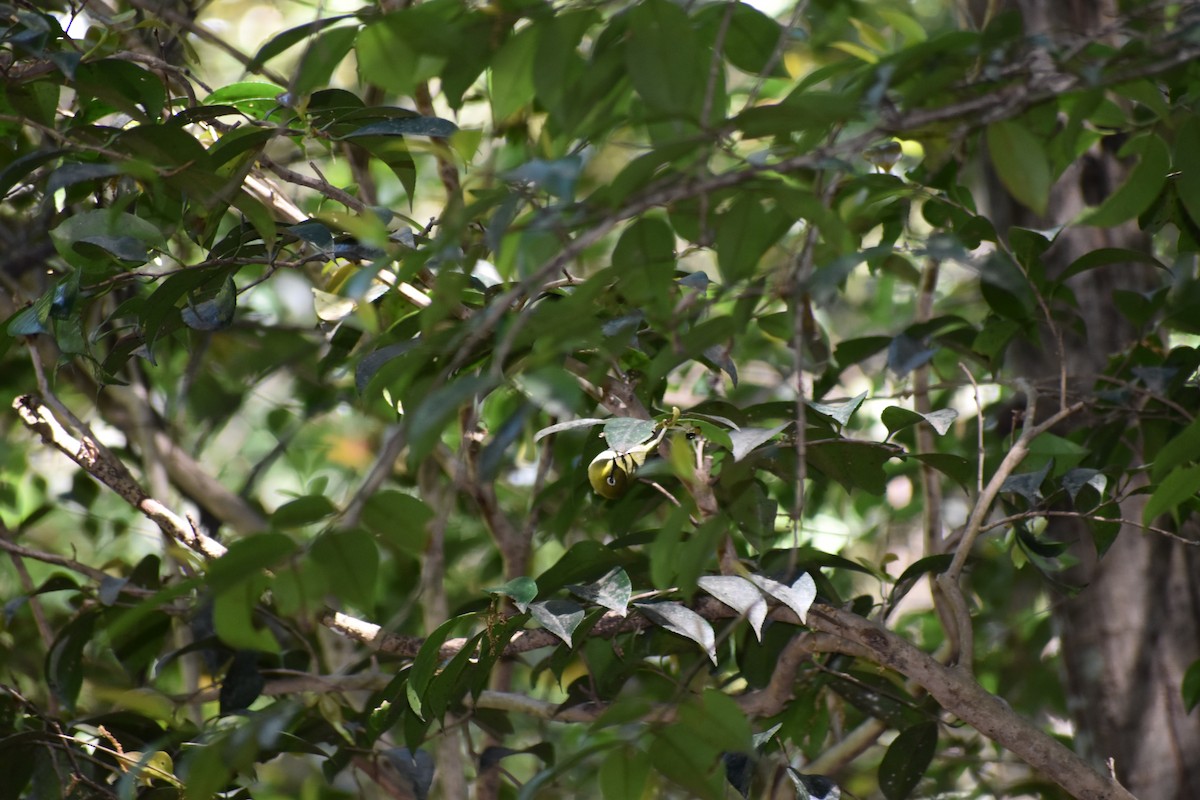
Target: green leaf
x,y
64,660
623,774
435,127
248,557
1191,686
303,511
798,597
102,233
1027,484
953,466
511,75
1106,256
801,111
430,417
32,320
1179,486
520,590
906,759
284,41
751,38
747,439
1187,164
322,57
386,58
427,661
253,98
234,610
1140,189
744,234
350,561
1021,163
399,519
1182,448
672,79
213,311
853,464
623,433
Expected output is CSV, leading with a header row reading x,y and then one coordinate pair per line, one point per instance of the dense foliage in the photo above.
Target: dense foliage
x,y
610,399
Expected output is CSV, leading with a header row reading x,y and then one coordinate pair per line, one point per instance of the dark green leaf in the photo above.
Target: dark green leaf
x,y
1020,161
350,561
1142,186
281,42
303,511
406,126
853,464
1027,484
907,758
64,660
1191,686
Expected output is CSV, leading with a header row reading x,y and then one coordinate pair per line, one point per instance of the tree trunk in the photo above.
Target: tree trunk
x,y
1130,635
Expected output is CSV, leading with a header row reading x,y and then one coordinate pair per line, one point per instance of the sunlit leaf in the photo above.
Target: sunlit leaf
x,y
683,621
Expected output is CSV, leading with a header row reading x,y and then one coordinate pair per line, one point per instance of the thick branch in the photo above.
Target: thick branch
x,y
959,694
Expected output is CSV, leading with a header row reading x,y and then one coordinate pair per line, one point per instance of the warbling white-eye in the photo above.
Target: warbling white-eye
x,y
611,471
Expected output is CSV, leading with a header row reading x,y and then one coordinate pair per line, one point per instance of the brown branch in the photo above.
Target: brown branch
x,y
20,551
960,695
101,464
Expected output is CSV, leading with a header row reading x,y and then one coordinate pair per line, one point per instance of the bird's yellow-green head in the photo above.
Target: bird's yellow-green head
x,y
611,472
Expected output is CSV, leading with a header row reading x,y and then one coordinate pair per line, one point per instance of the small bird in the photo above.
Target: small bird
x,y
612,470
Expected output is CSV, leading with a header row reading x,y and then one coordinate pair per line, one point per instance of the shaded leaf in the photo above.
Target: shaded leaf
x,y
1027,484
906,759
435,127
1074,481
906,354
1142,186
350,562
415,766
1191,686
